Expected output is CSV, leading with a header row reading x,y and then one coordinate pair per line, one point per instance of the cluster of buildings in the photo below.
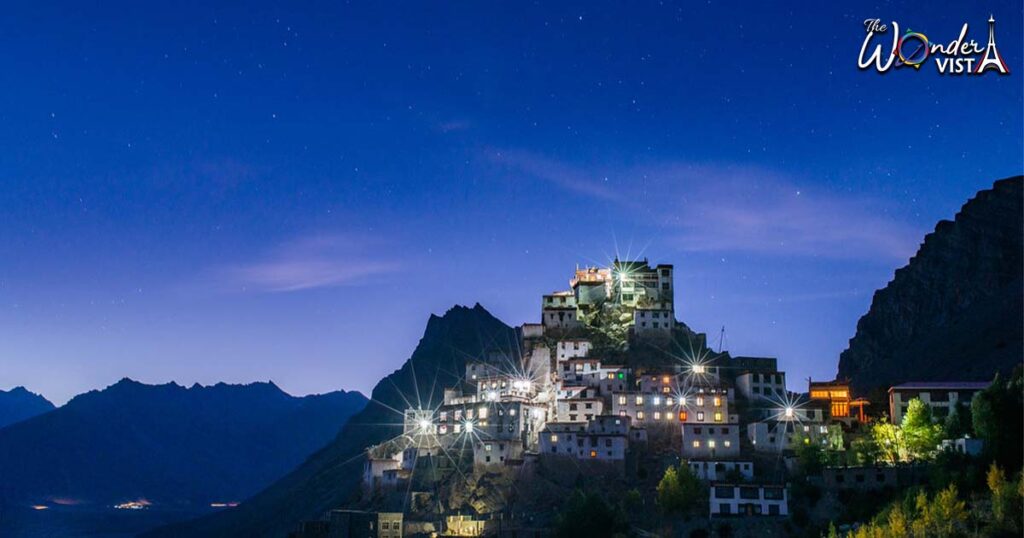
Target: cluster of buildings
x,y
561,400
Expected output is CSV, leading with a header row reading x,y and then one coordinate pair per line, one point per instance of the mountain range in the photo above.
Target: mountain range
x,y
329,478
19,404
166,444
954,312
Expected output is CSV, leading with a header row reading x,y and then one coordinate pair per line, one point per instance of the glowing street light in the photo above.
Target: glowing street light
x,y
425,424
789,412
468,426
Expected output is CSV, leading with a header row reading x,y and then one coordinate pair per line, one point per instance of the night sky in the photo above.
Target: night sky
x,y
288,190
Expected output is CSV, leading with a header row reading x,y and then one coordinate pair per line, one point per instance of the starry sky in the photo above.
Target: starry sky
x,y
286,191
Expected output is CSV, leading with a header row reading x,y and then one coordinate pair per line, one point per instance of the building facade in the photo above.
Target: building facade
x,y
941,397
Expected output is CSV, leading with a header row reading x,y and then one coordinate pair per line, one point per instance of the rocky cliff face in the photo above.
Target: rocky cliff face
x,y
955,311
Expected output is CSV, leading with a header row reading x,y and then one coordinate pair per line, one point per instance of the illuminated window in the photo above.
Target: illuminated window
x,y
666,390
622,400
718,417
727,444
512,412
718,402
700,401
554,438
711,443
622,413
823,429
458,428
639,400
682,401
668,416
807,428
593,453
443,429
487,447
639,415
696,444
443,416
482,412
657,415
682,416
700,416
665,380
656,400
668,401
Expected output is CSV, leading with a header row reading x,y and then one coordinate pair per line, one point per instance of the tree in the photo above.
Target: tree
x,y
587,514
1005,498
948,513
810,458
958,423
889,440
921,435
679,490
997,413
865,449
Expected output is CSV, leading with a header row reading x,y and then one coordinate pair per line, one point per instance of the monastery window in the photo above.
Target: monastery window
x,y
711,444
666,390
718,401
700,401
727,444
668,401
700,416
639,400
639,415
622,400
696,444
668,416
657,415
593,453
487,447
656,400
682,416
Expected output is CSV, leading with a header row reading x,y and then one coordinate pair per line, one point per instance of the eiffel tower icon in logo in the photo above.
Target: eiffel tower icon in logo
x,y
992,59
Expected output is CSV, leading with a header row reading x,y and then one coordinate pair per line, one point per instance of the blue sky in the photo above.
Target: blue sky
x,y
255,191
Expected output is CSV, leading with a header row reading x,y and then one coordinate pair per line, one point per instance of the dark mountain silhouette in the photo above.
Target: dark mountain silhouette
x,y
330,477
167,443
19,404
955,312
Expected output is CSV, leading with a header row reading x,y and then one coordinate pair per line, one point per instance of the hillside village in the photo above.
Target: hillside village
x,y
609,392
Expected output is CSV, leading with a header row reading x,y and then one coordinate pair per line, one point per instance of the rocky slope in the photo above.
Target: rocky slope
x,y
955,311
166,443
19,404
329,478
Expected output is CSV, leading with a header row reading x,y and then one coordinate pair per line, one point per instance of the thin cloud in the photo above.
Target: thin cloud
x,y
724,208
308,263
